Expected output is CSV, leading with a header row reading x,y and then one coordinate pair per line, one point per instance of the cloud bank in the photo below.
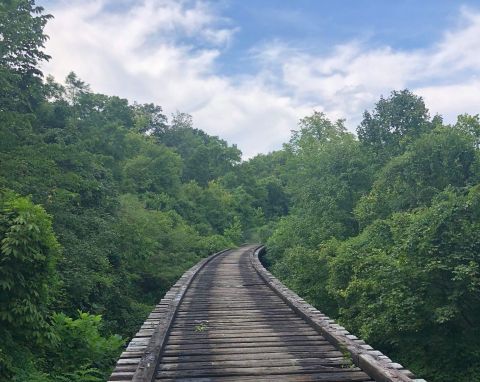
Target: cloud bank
x,y
168,52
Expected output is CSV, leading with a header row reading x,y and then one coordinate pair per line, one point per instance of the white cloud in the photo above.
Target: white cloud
x,y
459,48
452,100
353,76
166,51
138,54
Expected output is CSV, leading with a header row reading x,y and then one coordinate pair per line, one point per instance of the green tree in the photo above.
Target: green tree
x,y
326,175
75,88
441,158
28,254
205,158
234,231
22,43
470,125
155,169
79,345
149,119
21,50
393,124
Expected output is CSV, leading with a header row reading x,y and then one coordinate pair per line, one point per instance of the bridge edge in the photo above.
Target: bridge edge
x,y
371,361
167,308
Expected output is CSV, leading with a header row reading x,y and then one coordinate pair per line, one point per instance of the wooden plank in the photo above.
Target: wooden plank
x,y
242,332
247,356
274,343
245,340
324,377
292,349
261,371
255,363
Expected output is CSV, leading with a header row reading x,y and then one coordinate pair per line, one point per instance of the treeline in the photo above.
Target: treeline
x,y
103,205
383,232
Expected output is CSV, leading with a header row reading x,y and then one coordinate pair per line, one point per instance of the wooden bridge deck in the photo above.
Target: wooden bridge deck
x,y
228,319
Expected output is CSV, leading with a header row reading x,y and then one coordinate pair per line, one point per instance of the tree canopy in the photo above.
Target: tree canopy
x,y
382,232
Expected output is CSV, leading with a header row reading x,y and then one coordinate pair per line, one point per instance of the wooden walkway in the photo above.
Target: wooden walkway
x,y
228,319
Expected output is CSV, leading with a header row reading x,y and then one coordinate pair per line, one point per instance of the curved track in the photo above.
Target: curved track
x,y
228,319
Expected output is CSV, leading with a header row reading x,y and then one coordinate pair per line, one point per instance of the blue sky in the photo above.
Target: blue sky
x,y
319,25
248,70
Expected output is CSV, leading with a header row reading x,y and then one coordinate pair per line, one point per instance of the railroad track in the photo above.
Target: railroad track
x,y
229,319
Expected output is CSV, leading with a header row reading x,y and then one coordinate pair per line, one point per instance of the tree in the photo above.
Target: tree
x,y
326,175
21,50
80,345
205,157
28,282
29,252
155,169
149,119
470,125
314,129
436,160
21,26
75,87
394,260
234,231
393,124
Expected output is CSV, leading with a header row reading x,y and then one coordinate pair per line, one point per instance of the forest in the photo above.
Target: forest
x,y
104,203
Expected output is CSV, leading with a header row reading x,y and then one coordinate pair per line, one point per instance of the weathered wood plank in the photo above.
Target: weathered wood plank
x,y
324,377
246,356
260,371
243,363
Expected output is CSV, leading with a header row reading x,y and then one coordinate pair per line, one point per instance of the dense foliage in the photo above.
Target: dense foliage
x,y
104,204
383,232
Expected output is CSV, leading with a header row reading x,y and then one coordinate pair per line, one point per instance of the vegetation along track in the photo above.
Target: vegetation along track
x,y
229,319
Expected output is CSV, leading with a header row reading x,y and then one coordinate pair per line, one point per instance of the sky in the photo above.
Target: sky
x,y
248,70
